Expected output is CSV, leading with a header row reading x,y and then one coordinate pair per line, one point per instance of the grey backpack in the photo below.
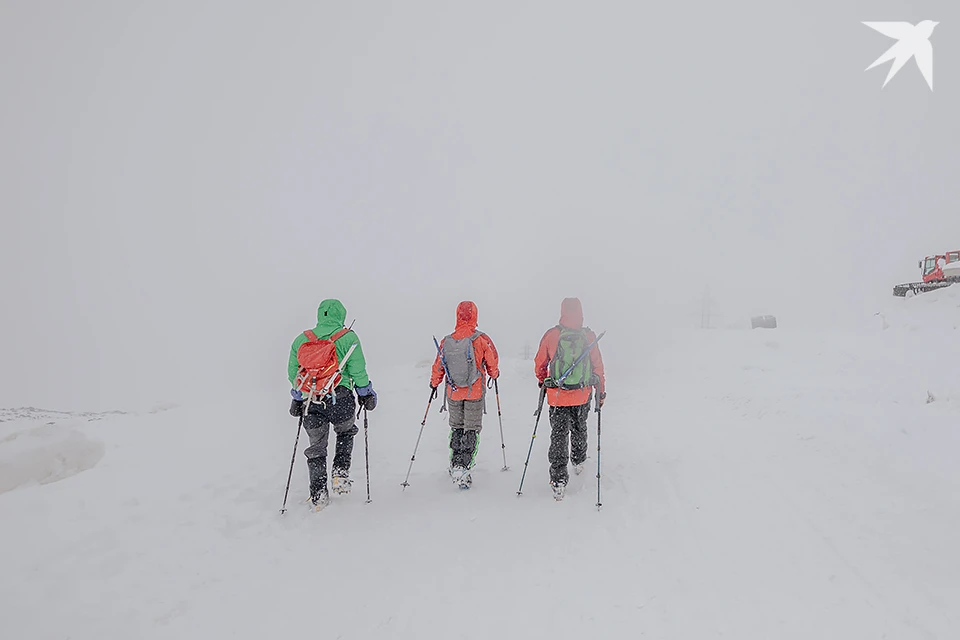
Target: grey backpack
x,y
461,363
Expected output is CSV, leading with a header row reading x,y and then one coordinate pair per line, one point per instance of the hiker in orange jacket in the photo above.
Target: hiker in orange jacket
x,y
469,356
569,400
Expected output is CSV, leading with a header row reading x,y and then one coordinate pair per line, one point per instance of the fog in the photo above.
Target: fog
x,y
181,183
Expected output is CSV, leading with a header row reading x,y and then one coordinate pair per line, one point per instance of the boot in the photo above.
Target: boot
x,y
319,495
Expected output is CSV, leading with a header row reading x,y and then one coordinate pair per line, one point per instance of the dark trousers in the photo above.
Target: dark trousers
x,y
317,424
568,439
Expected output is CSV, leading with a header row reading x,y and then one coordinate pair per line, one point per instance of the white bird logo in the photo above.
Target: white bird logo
x,y
913,42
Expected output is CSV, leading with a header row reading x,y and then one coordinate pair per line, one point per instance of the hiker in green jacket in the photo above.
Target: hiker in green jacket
x,y
337,407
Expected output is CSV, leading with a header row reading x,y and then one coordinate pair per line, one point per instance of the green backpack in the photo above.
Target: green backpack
x,y
570,346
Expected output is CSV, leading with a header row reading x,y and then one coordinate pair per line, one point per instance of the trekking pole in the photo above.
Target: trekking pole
x,y
503,447
406,482
366,452
543,392
293,458
296,445
599,504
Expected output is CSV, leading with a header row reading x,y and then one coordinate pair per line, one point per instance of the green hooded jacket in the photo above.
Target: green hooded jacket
x,y
331,315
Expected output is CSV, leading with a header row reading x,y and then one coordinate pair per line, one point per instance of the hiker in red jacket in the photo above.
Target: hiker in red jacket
x,y
569,399
469,356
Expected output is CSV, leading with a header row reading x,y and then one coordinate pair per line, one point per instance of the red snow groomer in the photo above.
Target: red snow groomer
x,y
936,272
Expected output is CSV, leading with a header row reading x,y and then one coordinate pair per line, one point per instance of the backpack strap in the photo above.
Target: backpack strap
x,y
473,338
560,329
339,334
313,337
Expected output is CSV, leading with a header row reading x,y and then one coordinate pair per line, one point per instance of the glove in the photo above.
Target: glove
x,y
367,397
600,399
296,408
540,384
296,405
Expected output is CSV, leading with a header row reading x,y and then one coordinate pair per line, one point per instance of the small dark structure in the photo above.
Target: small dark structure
x,y
763,322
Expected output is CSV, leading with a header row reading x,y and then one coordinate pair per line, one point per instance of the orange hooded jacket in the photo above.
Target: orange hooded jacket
x,y
484,351
571,316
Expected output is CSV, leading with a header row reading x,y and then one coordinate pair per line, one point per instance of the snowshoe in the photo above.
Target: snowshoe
x,y
320,500
461,477
342,484
558,490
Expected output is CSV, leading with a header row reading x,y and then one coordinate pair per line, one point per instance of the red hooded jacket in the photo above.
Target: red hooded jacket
x,y
484,351
571,316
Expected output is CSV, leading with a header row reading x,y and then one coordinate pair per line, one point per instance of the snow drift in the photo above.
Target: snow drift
x,y
45,454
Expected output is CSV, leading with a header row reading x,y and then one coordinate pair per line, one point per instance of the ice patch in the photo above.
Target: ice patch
x,y
45,454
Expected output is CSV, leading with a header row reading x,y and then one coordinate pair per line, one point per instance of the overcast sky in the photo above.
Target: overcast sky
x,y
182,182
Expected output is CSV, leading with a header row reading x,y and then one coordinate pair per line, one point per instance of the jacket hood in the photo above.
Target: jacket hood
x,y
571,313
331,315
467,315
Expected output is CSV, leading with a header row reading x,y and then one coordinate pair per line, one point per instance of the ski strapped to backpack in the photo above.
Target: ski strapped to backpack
x,y
558,382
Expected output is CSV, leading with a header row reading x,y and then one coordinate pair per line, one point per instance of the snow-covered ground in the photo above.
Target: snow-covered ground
x,y
756,484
